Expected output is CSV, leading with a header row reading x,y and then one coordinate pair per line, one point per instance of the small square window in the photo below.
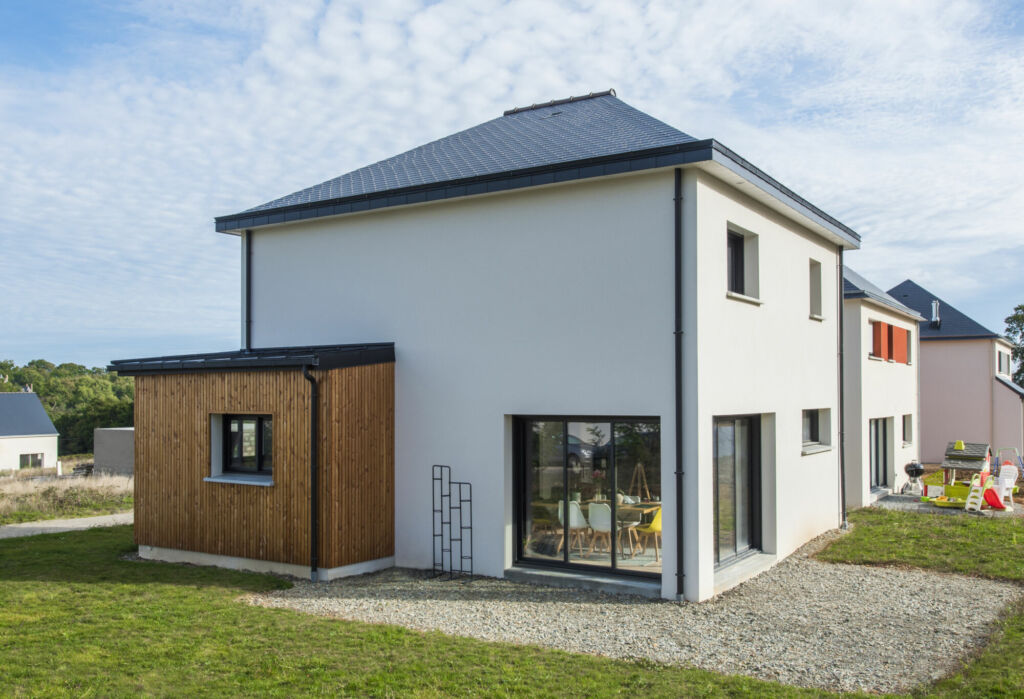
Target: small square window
x,y
817,430
248,444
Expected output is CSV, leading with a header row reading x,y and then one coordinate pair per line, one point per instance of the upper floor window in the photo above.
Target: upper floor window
x,y
815,289
890,343
741,263
817,428
1004,363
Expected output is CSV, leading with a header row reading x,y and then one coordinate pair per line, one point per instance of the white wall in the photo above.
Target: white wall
x,y
553,300
770,359
877,389
11,449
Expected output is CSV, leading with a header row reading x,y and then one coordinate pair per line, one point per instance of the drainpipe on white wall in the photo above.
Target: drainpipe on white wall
x,y
844,522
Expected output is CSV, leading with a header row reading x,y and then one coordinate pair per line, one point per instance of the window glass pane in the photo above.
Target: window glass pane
x,y
725,489
235,440
588,457
543,535
742,484
638,495
735,263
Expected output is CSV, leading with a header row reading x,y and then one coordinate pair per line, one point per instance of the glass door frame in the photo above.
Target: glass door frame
x,y
878,462
754,477
519,437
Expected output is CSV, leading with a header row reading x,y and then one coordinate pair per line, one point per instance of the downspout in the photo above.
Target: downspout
x,y
248,290
678,334
845,524
314,519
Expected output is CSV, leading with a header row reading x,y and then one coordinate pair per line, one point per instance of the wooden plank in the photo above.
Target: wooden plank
x,y
176,508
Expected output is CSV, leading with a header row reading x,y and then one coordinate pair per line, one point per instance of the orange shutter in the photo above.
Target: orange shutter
x,y
876,339
899,345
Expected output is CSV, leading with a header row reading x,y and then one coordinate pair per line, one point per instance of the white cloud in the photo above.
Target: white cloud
x,y
901,118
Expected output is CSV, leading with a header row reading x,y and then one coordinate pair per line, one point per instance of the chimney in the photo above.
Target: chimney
x,y
936,320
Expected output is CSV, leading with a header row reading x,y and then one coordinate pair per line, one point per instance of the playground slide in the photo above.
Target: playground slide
x,y
993,500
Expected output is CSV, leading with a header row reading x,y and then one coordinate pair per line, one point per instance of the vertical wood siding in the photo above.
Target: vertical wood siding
x,y
176,508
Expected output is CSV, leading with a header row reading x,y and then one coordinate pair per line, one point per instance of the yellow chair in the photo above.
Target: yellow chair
x,y
649,530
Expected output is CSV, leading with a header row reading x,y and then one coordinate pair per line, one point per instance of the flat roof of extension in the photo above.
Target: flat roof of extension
x,y
560,141
316,356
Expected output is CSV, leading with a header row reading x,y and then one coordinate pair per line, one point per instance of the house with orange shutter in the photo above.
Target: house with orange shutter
x,y
880,391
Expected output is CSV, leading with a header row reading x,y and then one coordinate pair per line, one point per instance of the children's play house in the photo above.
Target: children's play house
x,y
625,339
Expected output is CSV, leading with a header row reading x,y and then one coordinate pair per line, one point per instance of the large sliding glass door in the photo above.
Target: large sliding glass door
x,y
589,493
737,486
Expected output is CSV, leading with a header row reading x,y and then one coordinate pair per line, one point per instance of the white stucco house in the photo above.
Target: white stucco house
x,y
967,388
28,438
625,338
881,361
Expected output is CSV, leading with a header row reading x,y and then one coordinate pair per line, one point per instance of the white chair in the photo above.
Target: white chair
x,y
1008,475
577,524
601,524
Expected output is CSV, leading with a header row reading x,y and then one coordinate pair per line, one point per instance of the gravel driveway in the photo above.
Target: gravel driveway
x,y
838,627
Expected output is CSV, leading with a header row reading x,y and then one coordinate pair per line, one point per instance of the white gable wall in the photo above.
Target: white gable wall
x,y
11,449
553,301
772,360
877,389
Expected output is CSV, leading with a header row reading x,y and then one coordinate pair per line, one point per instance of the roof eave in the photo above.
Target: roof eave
x,y
885,305
689,153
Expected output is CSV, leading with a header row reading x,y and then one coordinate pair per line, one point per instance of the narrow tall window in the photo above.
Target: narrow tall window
x,y
811,433
908,429
736,270
815,288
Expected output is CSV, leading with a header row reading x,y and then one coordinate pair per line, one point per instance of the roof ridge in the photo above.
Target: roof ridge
x,y
555,103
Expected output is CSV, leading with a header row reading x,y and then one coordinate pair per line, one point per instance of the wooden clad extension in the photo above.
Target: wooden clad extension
x,y
175,508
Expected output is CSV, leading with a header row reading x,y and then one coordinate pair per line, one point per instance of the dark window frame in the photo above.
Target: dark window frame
x,y
754,478
815,427
37,457
262,450
736,263
519,423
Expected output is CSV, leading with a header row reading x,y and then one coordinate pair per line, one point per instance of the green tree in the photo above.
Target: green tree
x,y
1015,332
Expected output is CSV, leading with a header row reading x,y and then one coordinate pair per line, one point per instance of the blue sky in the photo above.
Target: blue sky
x,y
125,127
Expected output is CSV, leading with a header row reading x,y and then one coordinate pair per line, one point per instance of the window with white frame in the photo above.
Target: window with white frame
x,y
1004,363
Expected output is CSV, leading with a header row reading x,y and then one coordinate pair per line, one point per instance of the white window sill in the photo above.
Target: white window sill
x,y
907,444
815,316
875,359
815,449
744,298
241,478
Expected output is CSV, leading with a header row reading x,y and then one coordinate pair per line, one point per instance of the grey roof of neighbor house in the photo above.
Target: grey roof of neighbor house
x,y
857,287
21,414
558,141
953,324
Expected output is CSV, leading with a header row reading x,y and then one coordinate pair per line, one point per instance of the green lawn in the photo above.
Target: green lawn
x,y
966,544
75,619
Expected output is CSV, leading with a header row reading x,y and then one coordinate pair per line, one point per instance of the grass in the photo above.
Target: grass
x,y
969,545
31,500
75,619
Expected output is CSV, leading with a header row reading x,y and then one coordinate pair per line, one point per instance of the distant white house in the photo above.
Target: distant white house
x,y
28,438
881,361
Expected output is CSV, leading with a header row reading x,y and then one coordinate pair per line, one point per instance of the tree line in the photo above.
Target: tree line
x,y
76,398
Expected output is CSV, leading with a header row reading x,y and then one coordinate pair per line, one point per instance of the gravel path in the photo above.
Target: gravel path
x,y
807,623
52,526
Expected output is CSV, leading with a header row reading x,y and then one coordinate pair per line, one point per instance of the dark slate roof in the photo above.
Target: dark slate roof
x,y
23,414
318,356
857,287
953,324
575,138
566,131
1011,385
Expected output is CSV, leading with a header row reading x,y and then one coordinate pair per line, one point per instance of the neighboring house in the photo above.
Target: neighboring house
x,y
967,389
584,302
880,390
28,438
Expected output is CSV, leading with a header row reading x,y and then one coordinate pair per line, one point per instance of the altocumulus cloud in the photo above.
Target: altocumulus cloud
x,y
903,119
